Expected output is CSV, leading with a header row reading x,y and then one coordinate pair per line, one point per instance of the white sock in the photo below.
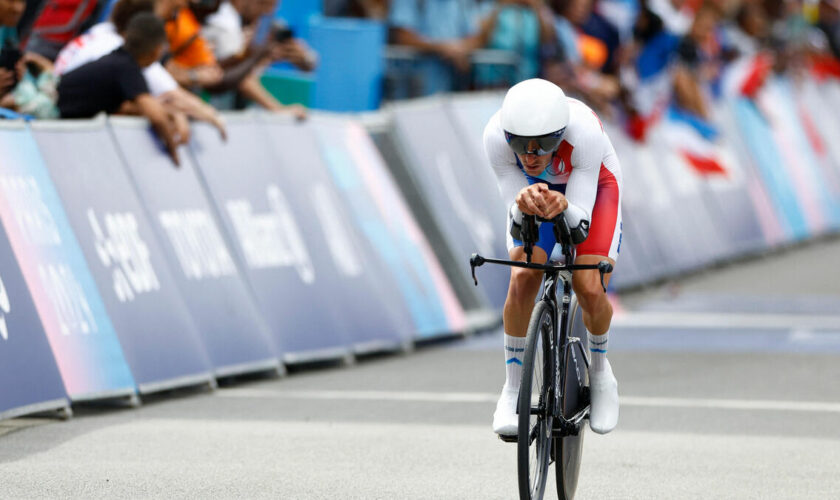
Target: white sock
x,y
514,352
598,345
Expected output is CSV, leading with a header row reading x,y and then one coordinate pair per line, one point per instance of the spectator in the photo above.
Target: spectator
x,y
106,37
522,27
35,93
27,83
10,54
829,24
583,56
445,29
115,83
231,32
191,62
696,65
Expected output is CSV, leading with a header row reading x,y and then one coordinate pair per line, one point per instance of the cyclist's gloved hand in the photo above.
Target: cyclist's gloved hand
x,y
531,233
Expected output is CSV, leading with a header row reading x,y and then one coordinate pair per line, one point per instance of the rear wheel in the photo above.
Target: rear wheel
x,y
535,402
575,396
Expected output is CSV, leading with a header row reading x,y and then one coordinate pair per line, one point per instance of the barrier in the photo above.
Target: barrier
x,y
757,136
159,339
31,381
230,325
443,174
344,262
383,217
80,334
293,240
272,242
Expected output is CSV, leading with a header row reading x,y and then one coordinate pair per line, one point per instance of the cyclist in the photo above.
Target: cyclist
x,y
551,156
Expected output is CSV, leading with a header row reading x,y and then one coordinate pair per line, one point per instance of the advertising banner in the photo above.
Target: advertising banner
x,y
444,170
82,338
755,132
30,378
794,160
381,214
360,288
272,241
158,336
233,331
648,225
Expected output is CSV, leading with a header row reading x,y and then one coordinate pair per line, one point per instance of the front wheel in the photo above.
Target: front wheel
x,y
568,449
535,404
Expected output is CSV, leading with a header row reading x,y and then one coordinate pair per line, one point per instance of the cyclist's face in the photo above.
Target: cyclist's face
x,y
534,164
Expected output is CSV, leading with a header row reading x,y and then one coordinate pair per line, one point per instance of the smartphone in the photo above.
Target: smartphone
x,y
283,33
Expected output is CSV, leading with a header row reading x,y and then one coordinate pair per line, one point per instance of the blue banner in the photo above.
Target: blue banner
x,y
360,288
31,381
213,288
756,133
159,338
465,208
80,333
272,241
382,215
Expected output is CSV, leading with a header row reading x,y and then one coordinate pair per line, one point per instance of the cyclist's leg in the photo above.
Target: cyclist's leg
x,y
597,311
522,291
603,243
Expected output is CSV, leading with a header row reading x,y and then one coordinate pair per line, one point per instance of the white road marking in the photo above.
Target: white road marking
x,y
725,320
482,397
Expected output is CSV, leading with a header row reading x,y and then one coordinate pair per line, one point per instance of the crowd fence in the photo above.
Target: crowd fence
x,y
122,275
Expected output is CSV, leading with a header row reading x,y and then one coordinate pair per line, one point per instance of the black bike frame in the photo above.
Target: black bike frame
x,y
553,273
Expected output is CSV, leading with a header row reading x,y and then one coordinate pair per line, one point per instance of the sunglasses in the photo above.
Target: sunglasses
x,y
545,143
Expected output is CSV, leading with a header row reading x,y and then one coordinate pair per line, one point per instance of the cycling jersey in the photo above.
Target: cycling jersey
x,y
585,168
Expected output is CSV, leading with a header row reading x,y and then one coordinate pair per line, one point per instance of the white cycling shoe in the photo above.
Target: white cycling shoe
x,y
603,390
505,419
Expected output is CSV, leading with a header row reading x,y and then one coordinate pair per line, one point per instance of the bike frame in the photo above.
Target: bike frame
x,y
553,275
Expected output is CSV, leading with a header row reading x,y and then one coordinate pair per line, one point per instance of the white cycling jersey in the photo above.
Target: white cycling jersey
x,y
584,166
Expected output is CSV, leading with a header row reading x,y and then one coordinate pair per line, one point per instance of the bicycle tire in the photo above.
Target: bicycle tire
x,y
534,431
569,449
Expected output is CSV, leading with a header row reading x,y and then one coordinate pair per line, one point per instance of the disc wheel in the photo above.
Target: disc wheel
x,y
535,420
575,396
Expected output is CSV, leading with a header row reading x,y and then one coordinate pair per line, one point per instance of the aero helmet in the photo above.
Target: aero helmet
x,y
534,110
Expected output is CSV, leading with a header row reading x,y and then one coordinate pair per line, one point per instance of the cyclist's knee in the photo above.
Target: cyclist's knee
x,y
589,292
524,285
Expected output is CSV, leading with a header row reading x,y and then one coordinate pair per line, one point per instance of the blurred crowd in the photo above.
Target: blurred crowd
x,y
173,60
162,59
629,59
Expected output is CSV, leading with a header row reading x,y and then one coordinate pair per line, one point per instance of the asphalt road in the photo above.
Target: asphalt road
x,y
730,385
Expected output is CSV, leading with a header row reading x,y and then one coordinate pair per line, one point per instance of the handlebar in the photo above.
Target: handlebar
x,y
603,267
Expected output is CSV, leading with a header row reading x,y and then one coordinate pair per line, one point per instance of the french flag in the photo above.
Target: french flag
x,y
693,138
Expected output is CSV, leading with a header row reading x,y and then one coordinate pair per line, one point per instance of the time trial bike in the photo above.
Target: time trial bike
x,y
554,393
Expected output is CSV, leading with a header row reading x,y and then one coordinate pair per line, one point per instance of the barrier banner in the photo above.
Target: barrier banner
x,y
360,287
756,133
797,161
236,337
740,207
271,240
768,223
394,237
445,173
158,336
469,115
649,227
31,381
82,338
822,125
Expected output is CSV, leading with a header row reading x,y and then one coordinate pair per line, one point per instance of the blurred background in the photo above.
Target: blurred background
x,y
235,240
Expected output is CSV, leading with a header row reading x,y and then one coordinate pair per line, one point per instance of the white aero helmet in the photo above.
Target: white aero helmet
x,y
534,111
